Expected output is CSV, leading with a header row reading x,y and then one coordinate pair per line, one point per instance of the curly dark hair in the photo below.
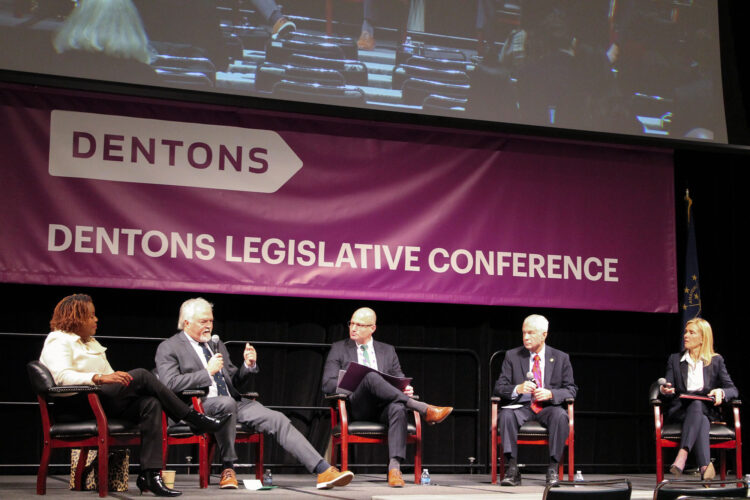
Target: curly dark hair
x,y
70,313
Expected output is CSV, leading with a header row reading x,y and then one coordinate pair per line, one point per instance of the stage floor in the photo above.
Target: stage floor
x,y
364,486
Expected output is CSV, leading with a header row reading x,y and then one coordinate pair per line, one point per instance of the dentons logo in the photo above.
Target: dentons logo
x,y
118,148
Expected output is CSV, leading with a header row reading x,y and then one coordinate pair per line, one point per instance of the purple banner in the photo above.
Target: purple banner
x,y
136,193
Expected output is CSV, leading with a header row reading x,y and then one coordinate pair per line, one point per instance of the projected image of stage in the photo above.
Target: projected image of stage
x,y
627,67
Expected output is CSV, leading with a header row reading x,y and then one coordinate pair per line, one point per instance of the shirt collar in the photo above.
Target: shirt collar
x,y
693,364
367,344
540,353
191,339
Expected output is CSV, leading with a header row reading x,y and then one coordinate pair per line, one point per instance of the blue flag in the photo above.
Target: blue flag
x,y
691,297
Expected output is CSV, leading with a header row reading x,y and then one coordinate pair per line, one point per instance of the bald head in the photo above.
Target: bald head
x,y
362,325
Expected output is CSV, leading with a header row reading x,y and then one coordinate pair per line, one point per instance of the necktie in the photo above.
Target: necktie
x,y
221,385
366,355
537,371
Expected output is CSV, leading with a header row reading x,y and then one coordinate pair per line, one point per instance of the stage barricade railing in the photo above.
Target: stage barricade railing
x,y
139,345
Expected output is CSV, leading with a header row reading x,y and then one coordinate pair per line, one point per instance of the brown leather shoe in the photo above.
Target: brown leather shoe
x,y
394,479
333,477
436,414
228,479
366,41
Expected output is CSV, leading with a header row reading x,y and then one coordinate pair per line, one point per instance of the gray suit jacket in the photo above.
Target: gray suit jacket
x,y
344,351
180,368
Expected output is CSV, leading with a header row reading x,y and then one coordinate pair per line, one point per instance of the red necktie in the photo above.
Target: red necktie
x,y
537,371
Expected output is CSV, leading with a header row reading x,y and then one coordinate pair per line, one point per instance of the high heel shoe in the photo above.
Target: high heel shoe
x,y
708,473
150,480
201,423
675,470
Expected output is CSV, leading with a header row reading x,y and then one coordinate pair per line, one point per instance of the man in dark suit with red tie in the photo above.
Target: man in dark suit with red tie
x,y
374,398
535,381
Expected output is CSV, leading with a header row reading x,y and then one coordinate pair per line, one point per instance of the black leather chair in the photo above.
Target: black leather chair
x,y
345,432
607,489
533,433
99,433
723,435
672,489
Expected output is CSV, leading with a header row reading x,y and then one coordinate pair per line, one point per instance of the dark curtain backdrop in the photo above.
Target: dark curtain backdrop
x,y
616,355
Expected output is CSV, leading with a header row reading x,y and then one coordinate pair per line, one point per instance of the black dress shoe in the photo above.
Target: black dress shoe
x,y
552,478
150,480
200,422
512,476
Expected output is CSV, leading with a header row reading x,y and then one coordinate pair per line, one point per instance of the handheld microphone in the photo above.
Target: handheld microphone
x,y
662,381
215,343
530,377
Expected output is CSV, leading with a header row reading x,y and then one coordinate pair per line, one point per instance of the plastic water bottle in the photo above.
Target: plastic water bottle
x,y
267,478
578,476
425,479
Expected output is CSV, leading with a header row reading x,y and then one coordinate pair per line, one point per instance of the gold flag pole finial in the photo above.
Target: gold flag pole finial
x,y
690,203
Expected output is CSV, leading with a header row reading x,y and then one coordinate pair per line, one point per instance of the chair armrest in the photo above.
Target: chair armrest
x,y
60,390
653,394
735,402
570,401
189,393
332,399
249,395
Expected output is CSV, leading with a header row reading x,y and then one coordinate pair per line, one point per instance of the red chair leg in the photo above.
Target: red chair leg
x,y
41,476
259,459
723,466
203,464
344,453
103,457
659,462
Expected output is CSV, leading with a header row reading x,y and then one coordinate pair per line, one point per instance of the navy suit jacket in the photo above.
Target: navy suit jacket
x,y
344,351
558,374
180,368
715,376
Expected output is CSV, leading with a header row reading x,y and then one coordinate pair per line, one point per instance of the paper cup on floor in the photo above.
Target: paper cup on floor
x,y
168,478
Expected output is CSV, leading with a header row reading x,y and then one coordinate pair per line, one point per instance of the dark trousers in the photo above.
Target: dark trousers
x,y
375,399
695,430
142,401
554,418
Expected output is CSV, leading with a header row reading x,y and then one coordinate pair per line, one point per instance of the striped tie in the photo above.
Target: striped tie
x,y
537,371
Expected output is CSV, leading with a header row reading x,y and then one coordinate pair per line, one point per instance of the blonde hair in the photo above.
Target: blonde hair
x,y
707,336
111,27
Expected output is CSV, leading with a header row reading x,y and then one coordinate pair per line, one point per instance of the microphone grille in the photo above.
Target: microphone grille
x,y
215,338
662,381
529,376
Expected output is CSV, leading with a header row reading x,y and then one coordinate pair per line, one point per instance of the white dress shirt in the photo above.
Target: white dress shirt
x,y
527,397
73,362
370,351
213,391
694,380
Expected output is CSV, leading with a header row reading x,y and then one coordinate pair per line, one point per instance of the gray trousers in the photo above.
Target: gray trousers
x,y
554,418
256,416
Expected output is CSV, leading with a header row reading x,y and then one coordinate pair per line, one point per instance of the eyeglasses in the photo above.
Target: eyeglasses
x,y
354,325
